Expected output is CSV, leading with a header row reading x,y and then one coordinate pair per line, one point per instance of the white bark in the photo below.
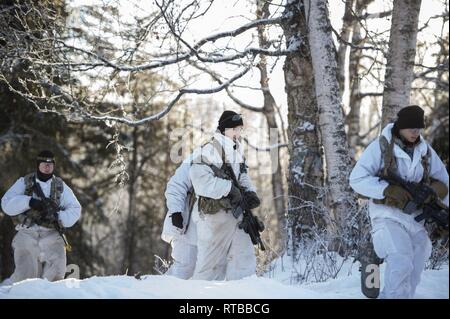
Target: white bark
x,y
400,58
331,120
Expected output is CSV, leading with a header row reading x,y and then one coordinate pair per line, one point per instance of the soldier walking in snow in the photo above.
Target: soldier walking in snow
x,y
225,250
398,232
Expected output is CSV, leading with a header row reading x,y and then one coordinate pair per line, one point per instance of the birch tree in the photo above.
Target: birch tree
x,y
355,60
331,121
305,162
269,111
400,59
345,37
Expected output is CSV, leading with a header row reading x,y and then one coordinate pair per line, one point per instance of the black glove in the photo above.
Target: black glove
x,y
234,195
36,204
177,220
260,224
246,223
251,199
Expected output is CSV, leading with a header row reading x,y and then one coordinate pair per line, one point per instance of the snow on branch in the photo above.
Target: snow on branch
x,y
193,49
41,60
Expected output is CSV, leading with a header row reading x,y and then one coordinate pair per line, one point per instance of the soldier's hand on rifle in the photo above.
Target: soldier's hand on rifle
x,y
50,212
177,220
439,188
36,204
251,199
51,217
396,196
245,224
424,194
234,195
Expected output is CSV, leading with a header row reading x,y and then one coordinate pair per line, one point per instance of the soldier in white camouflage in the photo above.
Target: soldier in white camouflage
x,y
41,206
399,236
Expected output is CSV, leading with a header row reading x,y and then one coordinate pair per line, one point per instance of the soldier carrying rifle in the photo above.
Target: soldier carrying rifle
x,y
407,184
226,228
41,206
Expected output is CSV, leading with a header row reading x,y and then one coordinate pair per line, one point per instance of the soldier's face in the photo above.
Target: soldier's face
x,y
234,133
410,134
46,168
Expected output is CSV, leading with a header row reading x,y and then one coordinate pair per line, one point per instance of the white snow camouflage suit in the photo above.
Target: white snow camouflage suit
x,y
224,250
179,198
397,237
39,251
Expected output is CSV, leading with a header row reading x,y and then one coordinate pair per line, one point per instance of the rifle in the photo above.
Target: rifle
x,y
250,223
51,212
434,211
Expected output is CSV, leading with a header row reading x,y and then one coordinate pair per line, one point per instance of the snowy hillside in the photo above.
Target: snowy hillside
x,y
434,285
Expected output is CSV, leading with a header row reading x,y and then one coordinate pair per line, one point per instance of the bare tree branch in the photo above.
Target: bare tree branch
x,y
375,15
354,46
217,78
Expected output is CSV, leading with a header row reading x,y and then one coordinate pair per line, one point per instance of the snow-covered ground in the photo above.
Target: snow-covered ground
x,y
434,284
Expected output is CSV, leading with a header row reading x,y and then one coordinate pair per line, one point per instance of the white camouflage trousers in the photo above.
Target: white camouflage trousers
x,y
224,250
38,254
184,256
405,251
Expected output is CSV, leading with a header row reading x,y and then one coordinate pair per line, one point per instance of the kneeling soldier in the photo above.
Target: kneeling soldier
x,y
41,206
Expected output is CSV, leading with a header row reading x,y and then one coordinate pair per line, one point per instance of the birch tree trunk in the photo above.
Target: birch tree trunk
x,y
400,58
346,34
353,118
305,163
262,12
331,121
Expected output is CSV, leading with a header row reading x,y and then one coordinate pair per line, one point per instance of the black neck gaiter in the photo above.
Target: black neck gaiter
x,y
43,177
